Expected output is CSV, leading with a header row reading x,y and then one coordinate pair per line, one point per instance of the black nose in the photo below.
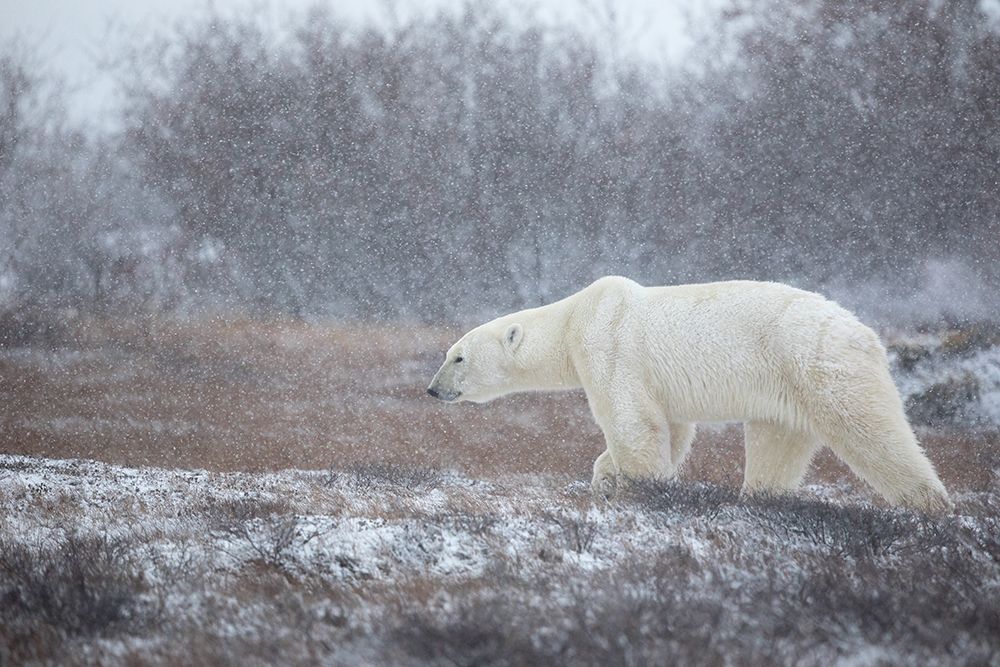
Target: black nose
x,y
433,392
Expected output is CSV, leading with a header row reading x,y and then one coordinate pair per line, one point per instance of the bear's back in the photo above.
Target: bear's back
x,y
711,347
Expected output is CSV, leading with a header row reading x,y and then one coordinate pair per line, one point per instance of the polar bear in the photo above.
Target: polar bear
x,y
800,371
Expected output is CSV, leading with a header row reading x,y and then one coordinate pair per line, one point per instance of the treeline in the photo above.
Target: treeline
x,y
463,164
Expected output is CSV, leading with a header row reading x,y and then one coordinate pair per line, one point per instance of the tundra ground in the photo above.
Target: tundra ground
x,y
246,493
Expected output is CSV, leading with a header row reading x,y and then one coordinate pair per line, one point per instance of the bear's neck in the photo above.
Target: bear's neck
x,y
544,357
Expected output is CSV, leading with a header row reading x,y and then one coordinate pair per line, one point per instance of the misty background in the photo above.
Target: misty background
x,y
453,161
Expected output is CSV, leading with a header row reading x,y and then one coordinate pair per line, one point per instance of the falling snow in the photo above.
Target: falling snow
x,y
221,299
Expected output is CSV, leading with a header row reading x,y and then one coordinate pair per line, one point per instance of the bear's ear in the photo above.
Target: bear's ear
x,y
512,337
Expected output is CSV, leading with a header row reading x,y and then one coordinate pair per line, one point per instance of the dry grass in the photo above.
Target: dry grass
x,y
240,395
266,396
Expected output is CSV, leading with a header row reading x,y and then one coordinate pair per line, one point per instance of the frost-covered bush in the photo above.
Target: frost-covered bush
x,y
293,568
80,585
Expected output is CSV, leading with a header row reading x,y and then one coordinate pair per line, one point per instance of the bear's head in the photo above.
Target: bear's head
x,y
480,366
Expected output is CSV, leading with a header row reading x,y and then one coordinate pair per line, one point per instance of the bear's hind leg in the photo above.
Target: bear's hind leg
x,y
854,408
887,456
777,457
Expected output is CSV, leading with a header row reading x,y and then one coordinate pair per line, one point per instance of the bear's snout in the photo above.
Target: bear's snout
x,y
448,395
442,386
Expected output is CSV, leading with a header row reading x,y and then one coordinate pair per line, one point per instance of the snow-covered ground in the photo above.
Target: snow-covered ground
x,y
392,565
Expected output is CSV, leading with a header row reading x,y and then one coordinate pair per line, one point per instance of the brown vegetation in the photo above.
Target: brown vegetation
x,y
240,395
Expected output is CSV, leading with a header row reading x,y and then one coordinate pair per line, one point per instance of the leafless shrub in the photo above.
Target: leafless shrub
x,y
77,587
986,537
485,632
226,513
180,568
635,616
844,530
293,630
578,533
848,530
952,402
477,523
923,607
642,613
675,497
905,356
265,526
927,602
272,540
366,475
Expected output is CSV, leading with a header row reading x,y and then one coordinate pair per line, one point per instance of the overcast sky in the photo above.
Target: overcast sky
x,y
72,35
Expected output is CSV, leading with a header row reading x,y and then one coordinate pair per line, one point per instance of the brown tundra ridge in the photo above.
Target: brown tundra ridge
x,y
243,395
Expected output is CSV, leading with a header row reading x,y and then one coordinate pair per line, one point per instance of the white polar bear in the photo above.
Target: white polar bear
x,y
797,368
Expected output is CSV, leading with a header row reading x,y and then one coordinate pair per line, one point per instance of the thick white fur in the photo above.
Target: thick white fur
x,y
800,371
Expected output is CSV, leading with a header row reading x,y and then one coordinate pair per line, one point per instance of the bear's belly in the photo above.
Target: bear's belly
x,y
724,402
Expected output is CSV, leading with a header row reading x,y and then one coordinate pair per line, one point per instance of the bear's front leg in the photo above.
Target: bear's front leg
x,y
638,448
605,479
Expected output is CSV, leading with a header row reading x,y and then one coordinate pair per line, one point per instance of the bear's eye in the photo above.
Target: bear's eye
x,y
458,360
